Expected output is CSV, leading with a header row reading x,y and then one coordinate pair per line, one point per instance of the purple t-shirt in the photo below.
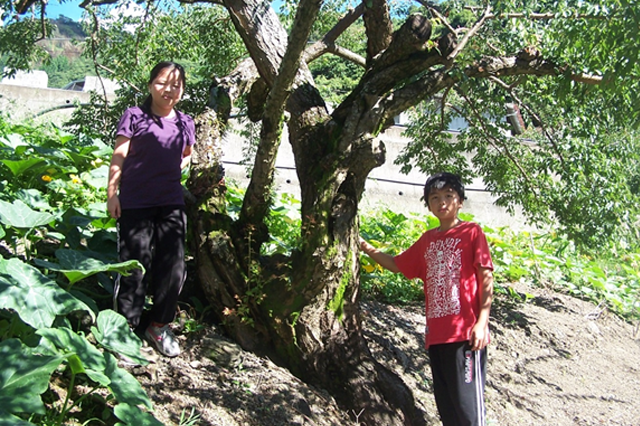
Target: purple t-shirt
x,y
151,170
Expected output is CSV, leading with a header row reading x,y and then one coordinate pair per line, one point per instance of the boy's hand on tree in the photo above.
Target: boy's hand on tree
x,y
365,246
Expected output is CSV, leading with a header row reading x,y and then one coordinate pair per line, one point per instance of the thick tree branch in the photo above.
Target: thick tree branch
x,y
347,54
433,82
256,204
378,25
262,33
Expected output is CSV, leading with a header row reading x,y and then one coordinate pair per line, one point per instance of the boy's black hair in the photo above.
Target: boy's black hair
x,y
442,179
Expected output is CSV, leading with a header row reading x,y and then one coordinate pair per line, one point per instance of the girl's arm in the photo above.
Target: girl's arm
x,y
120,152
383,259
186,156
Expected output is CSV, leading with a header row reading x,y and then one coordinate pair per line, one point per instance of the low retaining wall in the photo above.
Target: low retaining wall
x,y
39,104
386,186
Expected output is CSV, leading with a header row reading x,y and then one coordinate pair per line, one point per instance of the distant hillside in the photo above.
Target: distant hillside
x,y
69,28
66,39
65,47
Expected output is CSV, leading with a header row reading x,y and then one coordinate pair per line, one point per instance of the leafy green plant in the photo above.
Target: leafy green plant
x,y
55,231
189,420
284,225
28,369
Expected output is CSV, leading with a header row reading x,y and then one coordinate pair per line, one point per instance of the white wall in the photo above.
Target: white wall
x,y
386,186
36,78
21,102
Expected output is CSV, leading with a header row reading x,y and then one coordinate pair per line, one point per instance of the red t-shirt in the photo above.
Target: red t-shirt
x,y
447,263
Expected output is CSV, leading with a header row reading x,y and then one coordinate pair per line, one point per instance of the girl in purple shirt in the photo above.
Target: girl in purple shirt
x,y
144,193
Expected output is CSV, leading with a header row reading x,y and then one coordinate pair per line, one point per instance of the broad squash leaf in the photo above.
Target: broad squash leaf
x,y
36,298
75,266
112,331
124,386
18,167
8,419
134,416
90,360
20,215
24,376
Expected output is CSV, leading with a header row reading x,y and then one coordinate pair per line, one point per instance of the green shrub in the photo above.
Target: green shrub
x,y
59,252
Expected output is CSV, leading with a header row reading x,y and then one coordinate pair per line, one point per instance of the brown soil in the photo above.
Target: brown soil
x,y
554,360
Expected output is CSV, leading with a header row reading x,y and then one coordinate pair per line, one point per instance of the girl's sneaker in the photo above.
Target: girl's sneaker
x,y
163,340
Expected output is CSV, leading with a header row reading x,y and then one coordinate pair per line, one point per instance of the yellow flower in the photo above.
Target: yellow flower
x,y
368,268
75,179
47,178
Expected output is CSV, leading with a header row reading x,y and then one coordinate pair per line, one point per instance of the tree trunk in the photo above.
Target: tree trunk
x,y
301,310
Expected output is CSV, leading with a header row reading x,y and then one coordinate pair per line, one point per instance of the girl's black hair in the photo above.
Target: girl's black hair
x,y
146,105
440,180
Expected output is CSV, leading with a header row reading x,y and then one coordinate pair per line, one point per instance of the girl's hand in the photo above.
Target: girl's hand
x,y
113,206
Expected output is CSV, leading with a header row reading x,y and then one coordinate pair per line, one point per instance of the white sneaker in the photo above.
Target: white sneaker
x,y
163,340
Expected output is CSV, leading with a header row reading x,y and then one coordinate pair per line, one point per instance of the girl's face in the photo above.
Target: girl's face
x,y
166,90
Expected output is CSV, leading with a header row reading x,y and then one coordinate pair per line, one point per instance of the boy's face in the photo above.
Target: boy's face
x,y
444,203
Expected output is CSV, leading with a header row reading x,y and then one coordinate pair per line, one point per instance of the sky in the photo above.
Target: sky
x,y
71,10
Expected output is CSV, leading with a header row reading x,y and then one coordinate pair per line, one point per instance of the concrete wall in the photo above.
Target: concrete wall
x,y
21,102
35,78
385,187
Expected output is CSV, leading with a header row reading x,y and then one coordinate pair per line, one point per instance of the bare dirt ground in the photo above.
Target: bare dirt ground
x,y
554,360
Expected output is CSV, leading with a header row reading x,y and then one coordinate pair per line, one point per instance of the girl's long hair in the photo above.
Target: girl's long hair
x,y
146,105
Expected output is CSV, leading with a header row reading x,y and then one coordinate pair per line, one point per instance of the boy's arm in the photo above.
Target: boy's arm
x,y
383,259
479,337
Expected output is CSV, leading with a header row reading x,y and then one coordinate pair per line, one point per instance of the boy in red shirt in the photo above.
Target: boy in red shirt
x,y
454,263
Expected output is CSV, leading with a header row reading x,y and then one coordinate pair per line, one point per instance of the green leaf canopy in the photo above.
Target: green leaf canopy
x,y
19,215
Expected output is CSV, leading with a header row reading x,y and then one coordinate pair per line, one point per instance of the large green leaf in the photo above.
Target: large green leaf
x,y
13,140
19,215
134,416
112,331
8,419
24,376
97,178
36,298
75,266
124,386
19,167
91,360
33,198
